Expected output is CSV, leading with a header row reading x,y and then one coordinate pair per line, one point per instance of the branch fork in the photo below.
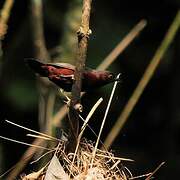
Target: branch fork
x,y
82,32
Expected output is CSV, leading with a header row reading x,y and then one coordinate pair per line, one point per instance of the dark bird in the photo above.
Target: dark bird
x,y
62,74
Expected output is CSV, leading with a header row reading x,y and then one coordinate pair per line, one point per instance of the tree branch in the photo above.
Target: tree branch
x,y
38,32
83,35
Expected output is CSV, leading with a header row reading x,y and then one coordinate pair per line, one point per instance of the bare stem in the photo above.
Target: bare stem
x,y
83,34
41,53
4,16
38,32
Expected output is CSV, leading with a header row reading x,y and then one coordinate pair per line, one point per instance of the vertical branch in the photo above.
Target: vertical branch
x,y
46,103
83,35
4,17
37,29
42,53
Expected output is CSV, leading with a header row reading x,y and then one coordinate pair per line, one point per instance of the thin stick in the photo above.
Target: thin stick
x,y
115,158
4,16
42,134
90,115
107,61
38,136
38,31
84,127
14,166
21,142
25,159
141,176
42,156
80,64
90,128
148,178
144,81
104,119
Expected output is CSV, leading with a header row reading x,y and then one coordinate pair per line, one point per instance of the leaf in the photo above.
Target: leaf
x,y
55,170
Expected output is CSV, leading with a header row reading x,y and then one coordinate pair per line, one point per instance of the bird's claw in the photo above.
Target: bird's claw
x,y
68,100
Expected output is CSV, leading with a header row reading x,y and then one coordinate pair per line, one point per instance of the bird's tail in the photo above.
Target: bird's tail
x,y
36,66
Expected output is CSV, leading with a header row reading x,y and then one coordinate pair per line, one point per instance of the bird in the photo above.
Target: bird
x,y
62,74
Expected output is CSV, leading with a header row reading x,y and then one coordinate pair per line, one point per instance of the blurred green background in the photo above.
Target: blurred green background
x,y
152,133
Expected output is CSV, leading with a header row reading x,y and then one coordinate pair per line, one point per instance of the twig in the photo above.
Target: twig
x,y
80,64
104,119
24,143
148,178
29,153
36,160
144,81
4,16
38,136
42,53
47,97
38,32
23,127
115,158
107,61
90,115
84,127
140,176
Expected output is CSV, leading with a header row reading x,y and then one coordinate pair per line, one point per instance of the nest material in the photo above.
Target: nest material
x,y
80,166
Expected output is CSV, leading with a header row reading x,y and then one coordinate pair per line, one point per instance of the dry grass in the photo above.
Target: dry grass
x,y
87,162
105,164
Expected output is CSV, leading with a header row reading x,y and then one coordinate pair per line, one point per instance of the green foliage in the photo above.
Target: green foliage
x,y
22,94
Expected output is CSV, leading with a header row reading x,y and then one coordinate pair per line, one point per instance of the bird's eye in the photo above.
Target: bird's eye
x,y
110,76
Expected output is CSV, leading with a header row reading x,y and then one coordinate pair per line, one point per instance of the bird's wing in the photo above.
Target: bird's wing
x,y
67,66
62,65
71,76
36,65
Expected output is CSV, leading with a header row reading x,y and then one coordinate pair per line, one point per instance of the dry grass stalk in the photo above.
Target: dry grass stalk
x,y
78,165
103,166
4,16
85,125
28,129
21,142
149,72
104,119
149,177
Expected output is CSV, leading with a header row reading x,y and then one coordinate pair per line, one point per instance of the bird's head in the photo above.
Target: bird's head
x,y
108,76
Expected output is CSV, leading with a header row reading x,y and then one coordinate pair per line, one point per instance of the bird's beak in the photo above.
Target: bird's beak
x,y
118,77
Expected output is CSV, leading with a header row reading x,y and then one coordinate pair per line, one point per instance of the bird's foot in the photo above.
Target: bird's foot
x,y
67,100
78,107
